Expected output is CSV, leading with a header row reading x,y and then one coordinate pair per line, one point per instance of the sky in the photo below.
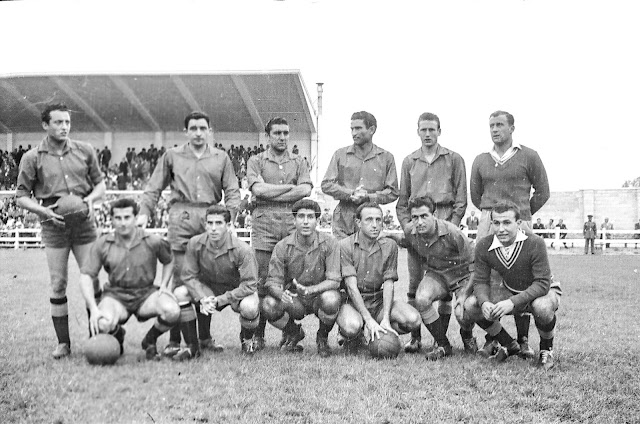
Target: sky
x,y
567,70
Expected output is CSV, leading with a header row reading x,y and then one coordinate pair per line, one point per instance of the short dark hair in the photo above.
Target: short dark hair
x,y
46,113
274,121
418,202
306,204
122,203
365,205
510,119
505,206
366,117
427,116
196,115
219,210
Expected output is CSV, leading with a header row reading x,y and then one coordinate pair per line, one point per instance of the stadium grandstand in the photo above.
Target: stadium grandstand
x,y
132,119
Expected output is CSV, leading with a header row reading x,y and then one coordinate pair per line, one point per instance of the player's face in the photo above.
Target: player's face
x,y
58,126
124,221
501,131
306,222
360,133
217,227
370,222
198,131
505,226
423,220
279,137
429,133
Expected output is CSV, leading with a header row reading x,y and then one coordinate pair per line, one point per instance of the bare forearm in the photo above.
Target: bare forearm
x,y
387,298
167,273
270,191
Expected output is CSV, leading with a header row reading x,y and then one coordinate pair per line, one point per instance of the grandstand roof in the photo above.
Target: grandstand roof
x,y
235,101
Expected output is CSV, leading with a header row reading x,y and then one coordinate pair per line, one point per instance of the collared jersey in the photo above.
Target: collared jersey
x,y
132,267
192,179
267,168
309,265
444,180
525,272
449,253
230,271
49,175
371,268
376,173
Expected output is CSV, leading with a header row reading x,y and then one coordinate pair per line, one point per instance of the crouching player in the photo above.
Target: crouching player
x,y
370,269
130,256
304,278
527,285
447,256
219,270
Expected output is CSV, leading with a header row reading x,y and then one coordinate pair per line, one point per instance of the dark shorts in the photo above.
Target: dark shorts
x,y
269,226
84,232
373,302
234,305
131,299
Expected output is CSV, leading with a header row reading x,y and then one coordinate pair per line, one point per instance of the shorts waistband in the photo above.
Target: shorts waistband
x,y
275,205
49,201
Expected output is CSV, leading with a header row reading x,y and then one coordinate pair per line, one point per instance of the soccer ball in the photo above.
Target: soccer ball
x,y
102,349
72,208
387,346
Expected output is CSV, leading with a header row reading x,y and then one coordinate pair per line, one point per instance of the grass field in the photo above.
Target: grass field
x,y
596,380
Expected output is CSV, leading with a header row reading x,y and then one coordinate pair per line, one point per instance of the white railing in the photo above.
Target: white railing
x,y
30,237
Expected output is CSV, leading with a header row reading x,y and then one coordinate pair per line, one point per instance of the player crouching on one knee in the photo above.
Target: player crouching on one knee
x,y
304,277
527,284
370,268
130,256
447,258
219,270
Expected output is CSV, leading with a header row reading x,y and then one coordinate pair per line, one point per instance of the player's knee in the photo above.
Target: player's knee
x,y
330,302
168,309
182,294
350,328
543,310
423,300
296,309
410,321
58,287
250,307
106,324
470,311
271,308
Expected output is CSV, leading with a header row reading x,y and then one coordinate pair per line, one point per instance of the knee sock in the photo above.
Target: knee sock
x,y
415,333
436,330
262,325
546,334
324,330
156,331
204,326
60,317
188,325
522,326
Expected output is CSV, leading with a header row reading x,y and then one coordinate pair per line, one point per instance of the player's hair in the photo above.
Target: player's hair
x,y
510,119
418,202
122,203
219,210
274,121
365,205
366,117
427,116
196,115
46,113
306,204
505,206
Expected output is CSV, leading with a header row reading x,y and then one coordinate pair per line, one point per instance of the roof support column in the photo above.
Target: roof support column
x,y
108,140
9,142
313,160
263,139
158,139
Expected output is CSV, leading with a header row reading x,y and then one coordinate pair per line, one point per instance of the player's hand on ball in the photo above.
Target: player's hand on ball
x,y
374,329
487,310
301,290
386,325
96,316
89,203
51,216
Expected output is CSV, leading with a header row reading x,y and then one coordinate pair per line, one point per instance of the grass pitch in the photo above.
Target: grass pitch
x,y
596,379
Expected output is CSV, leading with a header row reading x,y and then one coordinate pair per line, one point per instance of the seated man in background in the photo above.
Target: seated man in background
x,y
370,269
219,270
130,255
527,285
304,278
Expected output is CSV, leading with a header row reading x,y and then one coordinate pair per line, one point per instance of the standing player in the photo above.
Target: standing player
x,y
277,180
198,175
362,172
59,166
370,269
437,172
527,285
130,255
304,277
447,255
219,270
508,172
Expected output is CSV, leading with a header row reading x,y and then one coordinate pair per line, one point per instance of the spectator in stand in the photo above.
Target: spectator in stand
x,y
604,230
551,234
105,157
590,232
325,219
472,224
539,226
637,228
388,220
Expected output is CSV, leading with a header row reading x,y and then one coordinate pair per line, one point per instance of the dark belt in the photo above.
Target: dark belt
x,y
275,205
49,201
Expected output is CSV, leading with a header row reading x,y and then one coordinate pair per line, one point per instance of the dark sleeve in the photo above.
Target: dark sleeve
x,y
162,248
331,182
27,175
248,270
540,183
347,264
93,264
276,276
460,187
402,210
475,183
481,274
390,270
95,174
159,180
230,186
389,193
541,274
332,269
